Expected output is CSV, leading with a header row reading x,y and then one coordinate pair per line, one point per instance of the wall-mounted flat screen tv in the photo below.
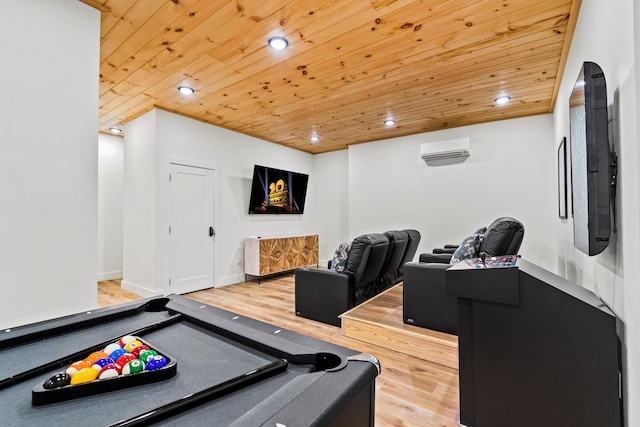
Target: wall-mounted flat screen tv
x,y
590,161
277,191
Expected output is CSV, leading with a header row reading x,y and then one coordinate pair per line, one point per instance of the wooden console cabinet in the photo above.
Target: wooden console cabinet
x,y
270,255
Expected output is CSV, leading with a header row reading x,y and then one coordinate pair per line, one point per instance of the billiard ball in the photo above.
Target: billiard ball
x,y
131,345
124,359
109,371
146,354
136,351
77,366
126,340
156,362
84,376
115,354
95,356
111,347
133,367
60,379
101,363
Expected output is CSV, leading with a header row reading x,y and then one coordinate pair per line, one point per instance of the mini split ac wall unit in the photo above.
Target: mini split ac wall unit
x,y
441,150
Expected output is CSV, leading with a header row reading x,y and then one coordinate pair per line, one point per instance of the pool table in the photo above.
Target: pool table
x,y
230,371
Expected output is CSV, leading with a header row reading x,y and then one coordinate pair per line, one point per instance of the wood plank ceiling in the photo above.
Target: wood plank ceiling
x,y
350,64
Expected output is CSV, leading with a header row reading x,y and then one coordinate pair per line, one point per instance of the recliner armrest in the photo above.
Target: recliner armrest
x,y
322,295
437,258
426,302
443,250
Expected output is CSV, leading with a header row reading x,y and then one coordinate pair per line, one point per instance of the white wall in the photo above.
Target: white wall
x,y
331,173
370,187
172,138
110,197
48,159
511,172
605,34
139,206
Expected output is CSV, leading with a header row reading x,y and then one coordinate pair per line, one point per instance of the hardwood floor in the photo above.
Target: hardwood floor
x,y
409,392
379,322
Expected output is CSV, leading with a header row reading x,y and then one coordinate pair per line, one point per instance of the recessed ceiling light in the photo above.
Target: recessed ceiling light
x,y
501,100
278,43
186,90
389,122
314,138
115,130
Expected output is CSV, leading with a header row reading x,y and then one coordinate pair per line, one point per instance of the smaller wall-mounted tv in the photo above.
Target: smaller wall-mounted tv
x,y
277,191
592,162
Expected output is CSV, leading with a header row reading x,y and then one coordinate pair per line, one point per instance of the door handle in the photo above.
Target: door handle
x,y
212,232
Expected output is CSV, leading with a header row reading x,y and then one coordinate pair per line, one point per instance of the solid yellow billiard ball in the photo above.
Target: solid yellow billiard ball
x,y
85,375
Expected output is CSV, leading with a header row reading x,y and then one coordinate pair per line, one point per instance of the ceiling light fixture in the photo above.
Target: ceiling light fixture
x,y
501,100
115,130
314,138
186,90
278,43
389,122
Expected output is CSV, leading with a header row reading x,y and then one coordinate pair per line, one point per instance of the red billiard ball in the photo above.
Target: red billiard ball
x,y
156,362
124,359
109,371
136,351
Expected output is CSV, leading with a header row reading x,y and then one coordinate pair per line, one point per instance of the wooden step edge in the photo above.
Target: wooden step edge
x,y
422,348
369,300
423,333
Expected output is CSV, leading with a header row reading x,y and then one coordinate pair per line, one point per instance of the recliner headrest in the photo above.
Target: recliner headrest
x,y
503,237
360,248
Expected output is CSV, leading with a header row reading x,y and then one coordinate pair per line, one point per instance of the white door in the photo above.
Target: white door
x,y
191,228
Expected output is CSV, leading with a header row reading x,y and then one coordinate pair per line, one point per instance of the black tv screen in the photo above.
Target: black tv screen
x,y
590,154
277,191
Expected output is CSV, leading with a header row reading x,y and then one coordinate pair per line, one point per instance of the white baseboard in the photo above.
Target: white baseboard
x,y
140,290
229,280
109,275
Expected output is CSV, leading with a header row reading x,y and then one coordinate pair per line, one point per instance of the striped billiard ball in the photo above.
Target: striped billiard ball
x,y
156,362
136,351
133,367
109,371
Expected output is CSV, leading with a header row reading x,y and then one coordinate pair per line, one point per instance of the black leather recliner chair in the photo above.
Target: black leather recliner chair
x,y
412,247
502,237
425,299
323,295
398,241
